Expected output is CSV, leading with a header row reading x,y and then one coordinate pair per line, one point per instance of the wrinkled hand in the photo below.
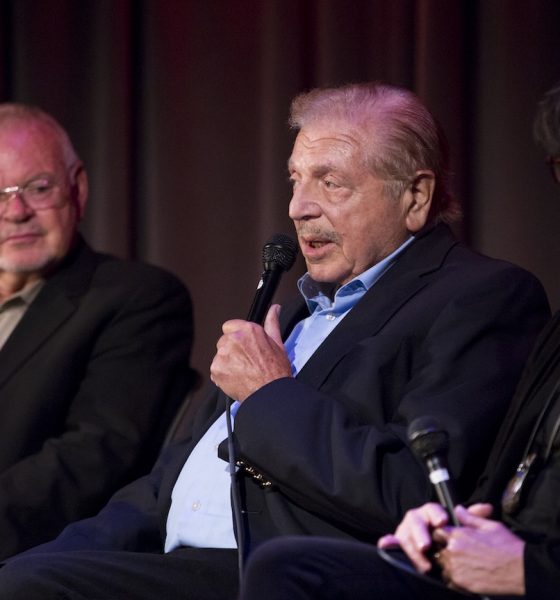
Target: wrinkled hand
x,y
414,533
249,356
482,556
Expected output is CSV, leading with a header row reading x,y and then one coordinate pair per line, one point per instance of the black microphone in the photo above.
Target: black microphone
x,y
279,255
430,442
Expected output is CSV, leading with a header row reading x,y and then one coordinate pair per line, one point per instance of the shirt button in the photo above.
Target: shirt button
x,y
330,317
196,505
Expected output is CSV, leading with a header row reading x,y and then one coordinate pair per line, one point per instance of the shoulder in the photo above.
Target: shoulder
x,y
492,276
107,280
109,270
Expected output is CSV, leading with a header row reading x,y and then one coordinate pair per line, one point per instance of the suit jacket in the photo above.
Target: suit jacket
x,y
444,332
538,384
89,380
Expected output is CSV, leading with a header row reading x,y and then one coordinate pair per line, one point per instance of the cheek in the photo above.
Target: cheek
x,y
60,231
356,234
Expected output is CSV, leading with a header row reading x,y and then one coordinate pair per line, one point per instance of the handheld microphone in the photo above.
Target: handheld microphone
x,y
430,442
279,255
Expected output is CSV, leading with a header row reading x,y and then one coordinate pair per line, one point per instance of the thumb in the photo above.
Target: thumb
x,y
469,519
388,541
272,324
480,509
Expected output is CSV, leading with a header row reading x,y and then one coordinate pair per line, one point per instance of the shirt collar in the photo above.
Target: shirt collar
x,y
319,294
25,295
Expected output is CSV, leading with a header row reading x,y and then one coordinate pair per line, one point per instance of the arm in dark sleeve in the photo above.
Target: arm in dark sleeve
x,y
340,451
130,521
136,372
135,517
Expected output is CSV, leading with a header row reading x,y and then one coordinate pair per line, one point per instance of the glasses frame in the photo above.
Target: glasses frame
x,y
22,190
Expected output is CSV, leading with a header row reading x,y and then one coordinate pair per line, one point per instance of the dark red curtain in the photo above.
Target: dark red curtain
x,y
179,109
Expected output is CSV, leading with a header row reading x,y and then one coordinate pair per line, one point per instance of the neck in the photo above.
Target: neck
x,y
12,283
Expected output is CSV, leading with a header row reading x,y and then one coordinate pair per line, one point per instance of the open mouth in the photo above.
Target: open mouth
x,y
316,249
317,243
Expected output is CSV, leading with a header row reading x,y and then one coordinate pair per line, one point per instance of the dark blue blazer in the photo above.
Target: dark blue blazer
x,y
444,332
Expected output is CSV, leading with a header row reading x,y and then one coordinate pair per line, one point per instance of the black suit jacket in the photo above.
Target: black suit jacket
x,y
539,383
444,332
89,380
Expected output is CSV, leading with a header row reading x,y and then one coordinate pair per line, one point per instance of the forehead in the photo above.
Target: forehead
x,y
28,146
335,143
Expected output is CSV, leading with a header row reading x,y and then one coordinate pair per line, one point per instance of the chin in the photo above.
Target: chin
x,y
25,264
323,278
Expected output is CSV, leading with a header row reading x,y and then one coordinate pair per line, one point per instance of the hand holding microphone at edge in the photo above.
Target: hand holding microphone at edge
x,y
249,356
474,553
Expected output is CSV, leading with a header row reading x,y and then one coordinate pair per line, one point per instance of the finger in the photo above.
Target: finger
x,y
272,324
232,325
434,514
469,519
388,541
417,556
441,535
481,509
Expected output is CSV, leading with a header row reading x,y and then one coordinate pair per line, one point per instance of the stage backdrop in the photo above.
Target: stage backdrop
x,y
179,109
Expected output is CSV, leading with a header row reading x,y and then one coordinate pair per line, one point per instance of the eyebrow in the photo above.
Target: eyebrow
x,y
318,170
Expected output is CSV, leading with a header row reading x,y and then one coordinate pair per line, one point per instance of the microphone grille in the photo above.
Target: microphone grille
x,y
279,252
427,437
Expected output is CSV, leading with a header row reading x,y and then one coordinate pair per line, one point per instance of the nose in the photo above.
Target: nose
x,y
304,204
14,208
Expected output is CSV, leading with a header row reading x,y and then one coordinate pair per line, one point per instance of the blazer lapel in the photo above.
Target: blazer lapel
x,y
403,280
52,307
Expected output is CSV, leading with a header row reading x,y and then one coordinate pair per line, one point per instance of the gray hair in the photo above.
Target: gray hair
x,y
402,136
546,127
12,111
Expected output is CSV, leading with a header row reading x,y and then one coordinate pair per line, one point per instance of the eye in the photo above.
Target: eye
x,y
330,185
293,181
39,187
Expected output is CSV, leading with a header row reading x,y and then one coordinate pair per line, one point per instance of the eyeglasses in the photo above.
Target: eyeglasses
x,y
36,193
554,162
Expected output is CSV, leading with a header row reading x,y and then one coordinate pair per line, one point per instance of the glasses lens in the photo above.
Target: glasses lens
x,y
38,193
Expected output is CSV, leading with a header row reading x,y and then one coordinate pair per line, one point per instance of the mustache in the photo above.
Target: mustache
x,y
314,232
6,234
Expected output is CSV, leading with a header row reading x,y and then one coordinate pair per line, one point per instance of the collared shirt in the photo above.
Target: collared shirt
x,y
326,314
200,513
13,308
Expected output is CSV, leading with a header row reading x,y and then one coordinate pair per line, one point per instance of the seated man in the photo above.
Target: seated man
x,y
516,554
93,350
395,318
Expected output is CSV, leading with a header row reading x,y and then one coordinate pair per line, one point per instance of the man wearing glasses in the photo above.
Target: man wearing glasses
x,y
516,553
93,350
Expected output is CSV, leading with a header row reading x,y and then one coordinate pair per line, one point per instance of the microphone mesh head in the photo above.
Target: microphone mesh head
x,y
279,252
427,437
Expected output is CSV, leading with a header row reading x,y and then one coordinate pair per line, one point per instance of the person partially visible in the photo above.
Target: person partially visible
x,y
395,318
94,351
508,544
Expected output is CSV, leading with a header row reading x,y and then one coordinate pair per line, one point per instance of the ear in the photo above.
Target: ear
x,y
80,189
418,200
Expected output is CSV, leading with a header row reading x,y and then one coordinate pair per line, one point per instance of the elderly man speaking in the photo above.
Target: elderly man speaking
x,y
395,319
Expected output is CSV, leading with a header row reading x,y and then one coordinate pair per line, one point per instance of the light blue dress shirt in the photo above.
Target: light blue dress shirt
x,y
200,513
326,314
